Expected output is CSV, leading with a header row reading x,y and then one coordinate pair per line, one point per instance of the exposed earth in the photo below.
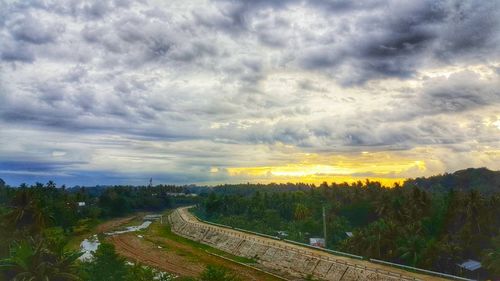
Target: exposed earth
x,y
156,246
160,248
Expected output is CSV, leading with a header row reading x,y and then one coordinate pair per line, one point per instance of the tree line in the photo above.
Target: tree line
x,y
431,227
432,223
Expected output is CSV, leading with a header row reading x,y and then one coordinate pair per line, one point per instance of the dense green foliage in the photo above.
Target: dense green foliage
x,y
36,223
105,266
35,260
431,223
409,225
108,266
483,180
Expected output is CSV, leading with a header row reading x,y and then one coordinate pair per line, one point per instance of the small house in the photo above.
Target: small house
x,y
317,242
471,269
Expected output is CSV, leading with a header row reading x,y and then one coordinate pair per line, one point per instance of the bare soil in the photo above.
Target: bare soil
x,y
174,256
114,223
141,251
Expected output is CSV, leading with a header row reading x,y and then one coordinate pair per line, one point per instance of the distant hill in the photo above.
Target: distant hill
x,y
481,179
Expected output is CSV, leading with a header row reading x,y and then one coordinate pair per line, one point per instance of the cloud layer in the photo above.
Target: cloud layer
x,y
118,91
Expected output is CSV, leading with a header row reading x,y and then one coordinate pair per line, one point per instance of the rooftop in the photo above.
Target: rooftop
x,y
470,265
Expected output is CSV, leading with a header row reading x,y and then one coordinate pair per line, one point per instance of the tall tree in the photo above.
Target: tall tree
x,y
32,260
491,257
106,265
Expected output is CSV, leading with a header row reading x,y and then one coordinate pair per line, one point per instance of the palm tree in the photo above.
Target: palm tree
x,y
107,265
411,249
31,260
491,257
51,184
383,205
301,212
376,241
26,215
473,204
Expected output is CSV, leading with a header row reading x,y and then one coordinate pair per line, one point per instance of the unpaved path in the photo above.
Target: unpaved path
x,y
187,216
138,250
168,253
114,223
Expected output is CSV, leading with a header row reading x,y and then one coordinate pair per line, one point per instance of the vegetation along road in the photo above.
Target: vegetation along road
x,y
158,247
190,218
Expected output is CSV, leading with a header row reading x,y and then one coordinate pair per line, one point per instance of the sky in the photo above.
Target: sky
x,y
227,91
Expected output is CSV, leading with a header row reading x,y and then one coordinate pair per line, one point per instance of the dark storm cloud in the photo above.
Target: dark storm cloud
x,y
369,39
236,15
393,41
390,42
235,75
460,92
396,42
472,29
31,166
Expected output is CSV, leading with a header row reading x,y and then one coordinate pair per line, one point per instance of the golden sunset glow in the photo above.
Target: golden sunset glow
x,y
313,168
177,97
318,179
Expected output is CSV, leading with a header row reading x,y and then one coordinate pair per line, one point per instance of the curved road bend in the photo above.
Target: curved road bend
x,y
187,216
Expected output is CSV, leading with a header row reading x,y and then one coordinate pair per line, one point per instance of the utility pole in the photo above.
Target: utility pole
x,y
324,224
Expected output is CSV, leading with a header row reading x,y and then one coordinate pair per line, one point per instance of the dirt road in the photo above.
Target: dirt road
x,y
164,250
114,223
138,250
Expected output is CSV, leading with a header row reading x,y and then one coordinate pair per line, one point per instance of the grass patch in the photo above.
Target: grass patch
x,y
165,231
191,252
163,245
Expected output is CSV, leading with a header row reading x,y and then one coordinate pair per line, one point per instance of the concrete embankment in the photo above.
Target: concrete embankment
x,y
285,257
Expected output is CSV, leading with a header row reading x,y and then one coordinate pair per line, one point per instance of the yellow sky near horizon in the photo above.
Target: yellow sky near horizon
x,y
319,179
387,168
